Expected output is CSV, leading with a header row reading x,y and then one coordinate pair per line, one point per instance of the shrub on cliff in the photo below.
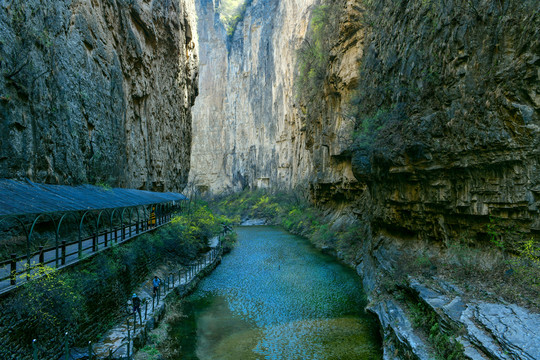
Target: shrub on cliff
x,y
314,54
231,12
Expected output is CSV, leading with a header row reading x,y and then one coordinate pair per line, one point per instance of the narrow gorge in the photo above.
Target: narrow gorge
x,y
418,120
400,137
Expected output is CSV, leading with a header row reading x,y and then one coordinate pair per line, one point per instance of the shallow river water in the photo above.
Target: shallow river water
x,y
276,297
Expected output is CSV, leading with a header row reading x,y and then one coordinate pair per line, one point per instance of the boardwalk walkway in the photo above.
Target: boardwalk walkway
x,y
54,255
118,343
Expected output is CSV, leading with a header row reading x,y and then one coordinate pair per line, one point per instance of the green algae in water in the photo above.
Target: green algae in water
x,y
276,297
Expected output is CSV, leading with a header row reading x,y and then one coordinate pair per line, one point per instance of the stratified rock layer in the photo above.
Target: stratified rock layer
x,y
454,87
97,92
449,91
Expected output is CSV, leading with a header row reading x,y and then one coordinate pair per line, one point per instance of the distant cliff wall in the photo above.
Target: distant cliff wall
x,y
97,91
245,128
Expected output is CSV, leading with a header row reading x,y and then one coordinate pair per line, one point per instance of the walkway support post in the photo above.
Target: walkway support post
x,y
56,238
13,269
34,346
41,256
90,352
80,238
128,339
66,349
145,308
63,262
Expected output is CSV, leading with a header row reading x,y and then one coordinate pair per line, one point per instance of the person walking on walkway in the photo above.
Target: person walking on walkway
x,y
136,302
156,283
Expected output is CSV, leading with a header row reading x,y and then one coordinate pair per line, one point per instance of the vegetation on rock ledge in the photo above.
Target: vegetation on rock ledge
x,y
314,55
231,12
295,214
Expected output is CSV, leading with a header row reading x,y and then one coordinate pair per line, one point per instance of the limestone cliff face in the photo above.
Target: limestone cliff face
x,y
248,128
329,132
246,133
445,144
447,90
97,91
430,118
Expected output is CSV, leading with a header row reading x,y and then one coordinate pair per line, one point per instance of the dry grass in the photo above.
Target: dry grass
x,y
480,272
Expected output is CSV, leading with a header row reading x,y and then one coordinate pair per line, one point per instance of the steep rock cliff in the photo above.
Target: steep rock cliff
x,y
246,132
444,148
432,114
453,88
97,91
248,128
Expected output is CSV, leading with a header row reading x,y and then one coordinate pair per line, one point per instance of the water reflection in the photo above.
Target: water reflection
x,y
275,297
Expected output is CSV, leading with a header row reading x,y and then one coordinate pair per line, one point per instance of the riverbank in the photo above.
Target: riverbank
x,y
133,333
333,232
411,286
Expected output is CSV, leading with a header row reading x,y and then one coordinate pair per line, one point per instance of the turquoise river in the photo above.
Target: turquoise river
x,y
277,297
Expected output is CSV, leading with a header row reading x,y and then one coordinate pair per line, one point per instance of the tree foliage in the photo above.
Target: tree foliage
x,y
231,12
85,301
314,54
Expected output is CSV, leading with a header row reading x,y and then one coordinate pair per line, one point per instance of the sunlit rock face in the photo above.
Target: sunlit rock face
x,y
245,128
98,91
248,128
456,95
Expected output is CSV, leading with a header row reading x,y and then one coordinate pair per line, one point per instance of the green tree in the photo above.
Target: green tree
x,y
231,12
314,53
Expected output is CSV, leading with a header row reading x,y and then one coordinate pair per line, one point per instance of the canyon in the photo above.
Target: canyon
x,y
422,125
418,120
454,96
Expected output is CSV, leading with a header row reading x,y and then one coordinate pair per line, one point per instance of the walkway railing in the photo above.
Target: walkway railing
x,y
130,325
185,276
12,271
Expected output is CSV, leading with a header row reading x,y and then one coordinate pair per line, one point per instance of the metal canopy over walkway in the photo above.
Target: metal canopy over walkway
x,y
99,216
20,198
